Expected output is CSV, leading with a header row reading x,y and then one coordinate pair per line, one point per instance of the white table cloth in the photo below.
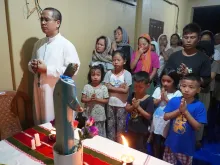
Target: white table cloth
x,y
11,155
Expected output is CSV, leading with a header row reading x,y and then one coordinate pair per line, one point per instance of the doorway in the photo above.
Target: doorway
x,y
208,18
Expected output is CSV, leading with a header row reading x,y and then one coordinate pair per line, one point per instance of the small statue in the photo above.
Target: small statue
x,y
71,70
65,101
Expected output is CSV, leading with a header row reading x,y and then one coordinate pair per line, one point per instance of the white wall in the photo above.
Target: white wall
x,y
83,22
5,71
160,10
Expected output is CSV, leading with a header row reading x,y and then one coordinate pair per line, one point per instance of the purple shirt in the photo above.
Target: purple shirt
x,y
154,62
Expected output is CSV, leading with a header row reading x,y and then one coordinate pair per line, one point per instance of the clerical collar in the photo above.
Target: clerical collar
x,y
51,39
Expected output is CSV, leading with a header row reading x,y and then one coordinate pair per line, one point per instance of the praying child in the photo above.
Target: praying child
x,y
186,115
141,106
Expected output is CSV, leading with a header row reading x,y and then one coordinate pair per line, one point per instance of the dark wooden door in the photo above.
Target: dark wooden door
x,y
155,28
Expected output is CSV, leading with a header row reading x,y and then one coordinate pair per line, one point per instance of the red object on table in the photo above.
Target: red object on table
x,y
75,124
22,141
91,160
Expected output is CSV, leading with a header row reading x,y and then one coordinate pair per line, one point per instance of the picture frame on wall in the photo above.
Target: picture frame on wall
x,y
128,2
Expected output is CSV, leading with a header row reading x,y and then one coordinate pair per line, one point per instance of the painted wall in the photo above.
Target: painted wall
x,y
160,10
83,22
5,73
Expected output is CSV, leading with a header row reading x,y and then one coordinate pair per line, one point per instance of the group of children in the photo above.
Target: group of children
x,y
105,97
168,119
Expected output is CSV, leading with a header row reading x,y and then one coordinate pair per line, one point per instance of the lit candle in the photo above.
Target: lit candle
x,y
125,142
53,132
52,135
127,159
33,147
37,139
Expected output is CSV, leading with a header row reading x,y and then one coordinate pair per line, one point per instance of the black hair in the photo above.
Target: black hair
x,y
171,73
164,35
118,28
153,45
104,38
175,34
144,38
96,67
211,35
207,32
216,37
56,14
192,28
180,42
121,53
206,47
152,39
142,76
192,77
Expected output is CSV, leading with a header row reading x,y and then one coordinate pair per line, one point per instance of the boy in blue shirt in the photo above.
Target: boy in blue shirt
x,y
186,115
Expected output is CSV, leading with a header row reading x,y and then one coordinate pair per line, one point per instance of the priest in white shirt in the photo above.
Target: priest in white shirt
x,y
51,55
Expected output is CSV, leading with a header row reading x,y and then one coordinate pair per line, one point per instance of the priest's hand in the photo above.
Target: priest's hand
x,y
34,66
42,68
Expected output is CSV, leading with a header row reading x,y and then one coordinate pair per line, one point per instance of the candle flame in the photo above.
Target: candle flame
x,y
53,132
125,142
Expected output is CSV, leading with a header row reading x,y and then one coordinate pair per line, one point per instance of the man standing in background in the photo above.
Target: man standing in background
x,y
190,60
51,56
217,41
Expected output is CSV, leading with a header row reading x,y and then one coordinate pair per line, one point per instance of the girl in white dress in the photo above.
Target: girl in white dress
x,y
159,128
118,82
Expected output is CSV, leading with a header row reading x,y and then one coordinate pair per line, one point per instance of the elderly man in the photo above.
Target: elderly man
x,y
51,56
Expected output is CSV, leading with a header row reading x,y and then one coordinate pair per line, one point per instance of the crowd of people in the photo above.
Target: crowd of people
x,y
158,94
